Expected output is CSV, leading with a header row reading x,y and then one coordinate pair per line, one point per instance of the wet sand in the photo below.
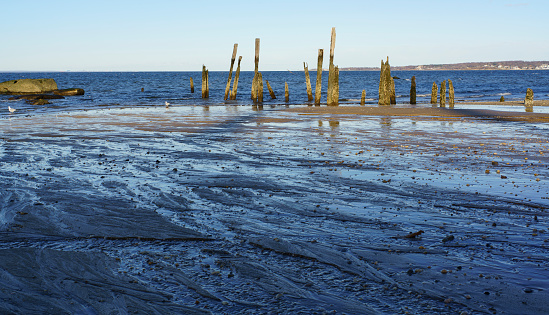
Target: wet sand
x,y
224,209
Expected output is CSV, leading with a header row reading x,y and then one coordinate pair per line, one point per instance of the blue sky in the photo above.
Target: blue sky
x,y
165,35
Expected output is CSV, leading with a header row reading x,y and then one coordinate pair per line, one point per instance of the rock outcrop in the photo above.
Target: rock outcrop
x,y
25,86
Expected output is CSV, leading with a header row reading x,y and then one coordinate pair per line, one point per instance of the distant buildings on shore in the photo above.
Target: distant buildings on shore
x,y
497,65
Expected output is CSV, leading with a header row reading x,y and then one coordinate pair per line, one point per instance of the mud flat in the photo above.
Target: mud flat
x,y
227,210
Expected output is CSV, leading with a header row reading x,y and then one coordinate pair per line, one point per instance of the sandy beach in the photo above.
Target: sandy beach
x,y
261,210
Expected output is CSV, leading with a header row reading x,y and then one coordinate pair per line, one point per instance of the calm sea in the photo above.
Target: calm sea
x,y
122,89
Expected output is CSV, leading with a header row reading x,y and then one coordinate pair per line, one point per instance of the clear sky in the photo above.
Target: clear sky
x,y
164,35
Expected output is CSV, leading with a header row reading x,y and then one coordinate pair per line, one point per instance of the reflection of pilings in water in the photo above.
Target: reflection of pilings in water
x,y
334,124
256,107
385,122
529,108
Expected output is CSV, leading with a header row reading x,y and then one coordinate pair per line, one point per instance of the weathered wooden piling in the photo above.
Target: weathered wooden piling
x,y
333,75
205,85
392,86
363,98
255,83
413,91
434,92
260,87
271,92
233,58
192,85
443,93
386,85
451,99
286,92
318,87
236,76
529,99
502,99
308,82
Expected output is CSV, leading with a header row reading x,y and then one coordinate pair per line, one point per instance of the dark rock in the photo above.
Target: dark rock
x,y
24,86
39,101
32,97
69,92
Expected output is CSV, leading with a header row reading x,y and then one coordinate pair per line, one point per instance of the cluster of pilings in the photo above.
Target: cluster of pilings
x,y
442,99
387,93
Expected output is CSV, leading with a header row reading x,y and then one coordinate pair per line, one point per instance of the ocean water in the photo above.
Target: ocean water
x,y
123,89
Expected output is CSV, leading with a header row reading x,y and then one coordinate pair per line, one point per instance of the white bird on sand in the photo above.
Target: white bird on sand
x,y
11,109
167,104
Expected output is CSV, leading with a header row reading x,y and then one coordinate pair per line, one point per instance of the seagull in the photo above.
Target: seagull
x,y
11,109
167,104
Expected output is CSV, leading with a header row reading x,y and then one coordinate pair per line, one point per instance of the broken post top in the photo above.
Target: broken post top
x,y
234,51
256,55
333,42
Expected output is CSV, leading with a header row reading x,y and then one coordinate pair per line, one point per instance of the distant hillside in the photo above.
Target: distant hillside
x,y
496,65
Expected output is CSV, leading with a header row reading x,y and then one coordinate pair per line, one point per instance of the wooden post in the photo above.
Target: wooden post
x,y
260,87
205,85
308,82
192,85
363,98
451,93
228,87
386,85
333,83
270,90
529,99
237,75
255,83
318,86
413,91
443,93
434,91
392,88
286,92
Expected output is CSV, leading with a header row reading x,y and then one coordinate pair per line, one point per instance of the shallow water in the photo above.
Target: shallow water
x,y
234,209
119,89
